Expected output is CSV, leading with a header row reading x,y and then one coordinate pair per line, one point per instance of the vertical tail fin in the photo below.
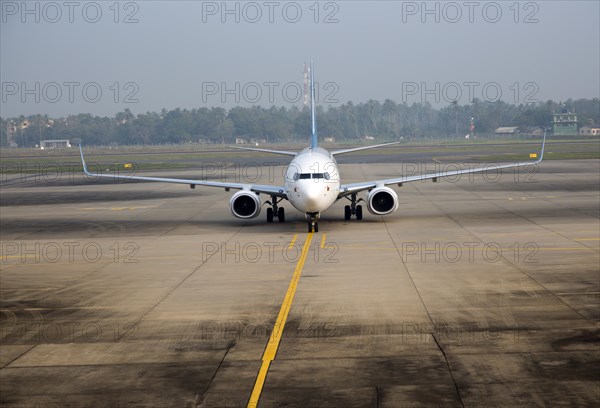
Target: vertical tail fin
x,y
313,119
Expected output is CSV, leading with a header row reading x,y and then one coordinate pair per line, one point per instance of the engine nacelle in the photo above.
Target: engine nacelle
x,y
382,201
245,204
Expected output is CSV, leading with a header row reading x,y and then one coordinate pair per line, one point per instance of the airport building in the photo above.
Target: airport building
x,y
507,131
565,123
588,131
55,144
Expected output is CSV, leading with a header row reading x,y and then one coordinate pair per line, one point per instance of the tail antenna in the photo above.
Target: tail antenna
x,y
313,119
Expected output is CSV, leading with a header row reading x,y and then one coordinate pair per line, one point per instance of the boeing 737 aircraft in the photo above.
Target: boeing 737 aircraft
x,y
312,183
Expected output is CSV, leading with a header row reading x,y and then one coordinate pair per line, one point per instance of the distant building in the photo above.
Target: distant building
x,y
507,131
537,131
565,123
239,140
588,131
55,144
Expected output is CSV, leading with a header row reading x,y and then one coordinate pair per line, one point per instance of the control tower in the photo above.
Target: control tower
x,y
565,122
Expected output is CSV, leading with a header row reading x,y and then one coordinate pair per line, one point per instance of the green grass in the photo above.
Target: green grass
x,y
188,157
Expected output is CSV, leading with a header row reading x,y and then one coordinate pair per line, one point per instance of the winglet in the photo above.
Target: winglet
x,y
543,146
539,157
313,119
85,169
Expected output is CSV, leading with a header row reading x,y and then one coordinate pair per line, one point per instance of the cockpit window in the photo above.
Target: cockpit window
x,y
305,176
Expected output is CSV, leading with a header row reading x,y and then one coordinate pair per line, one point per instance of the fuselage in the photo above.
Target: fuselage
x,y
312,180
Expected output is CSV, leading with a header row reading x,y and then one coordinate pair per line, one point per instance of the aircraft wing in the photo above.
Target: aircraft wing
x,y
347,189
257,188
283,152
356,149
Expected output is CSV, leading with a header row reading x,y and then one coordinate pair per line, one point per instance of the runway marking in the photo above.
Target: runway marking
x,y
293,241
587,239
273,344
323,241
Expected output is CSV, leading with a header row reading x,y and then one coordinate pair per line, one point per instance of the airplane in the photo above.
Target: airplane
x,y
312,182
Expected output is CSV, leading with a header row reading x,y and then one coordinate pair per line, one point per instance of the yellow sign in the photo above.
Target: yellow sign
x,y
128,165
533,155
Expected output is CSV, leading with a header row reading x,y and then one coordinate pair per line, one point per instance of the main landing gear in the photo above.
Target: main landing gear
x,y
353,209
313,222
275,211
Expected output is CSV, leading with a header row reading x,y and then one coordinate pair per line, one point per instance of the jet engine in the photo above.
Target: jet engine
x,y
382,201
245,204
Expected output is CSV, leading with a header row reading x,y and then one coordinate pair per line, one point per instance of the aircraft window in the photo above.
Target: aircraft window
x,y
304,176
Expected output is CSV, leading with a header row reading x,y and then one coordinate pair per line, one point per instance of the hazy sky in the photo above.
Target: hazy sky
x,y
101,57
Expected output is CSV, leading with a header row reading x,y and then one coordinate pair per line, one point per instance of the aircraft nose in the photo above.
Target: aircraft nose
x,y
312,198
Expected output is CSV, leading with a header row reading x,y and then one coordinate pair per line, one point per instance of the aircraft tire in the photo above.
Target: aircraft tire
x,y
281,214
359,212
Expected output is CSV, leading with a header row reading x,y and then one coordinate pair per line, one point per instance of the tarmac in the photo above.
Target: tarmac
x,y
478,292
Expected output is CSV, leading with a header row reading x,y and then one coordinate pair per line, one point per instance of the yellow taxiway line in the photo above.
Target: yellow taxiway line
x,y
323,241
293,241
273,344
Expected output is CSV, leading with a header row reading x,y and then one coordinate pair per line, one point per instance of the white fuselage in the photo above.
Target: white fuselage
x,y
312,180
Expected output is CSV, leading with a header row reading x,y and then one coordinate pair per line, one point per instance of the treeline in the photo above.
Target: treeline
x,y
371,120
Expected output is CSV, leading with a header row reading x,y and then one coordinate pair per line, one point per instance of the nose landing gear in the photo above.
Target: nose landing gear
x,y
312,220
